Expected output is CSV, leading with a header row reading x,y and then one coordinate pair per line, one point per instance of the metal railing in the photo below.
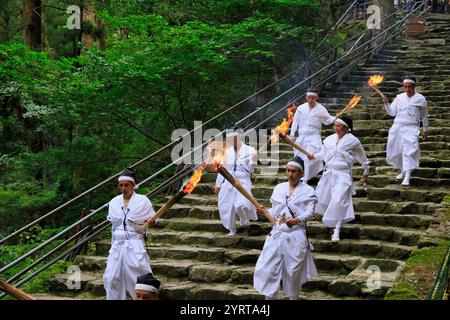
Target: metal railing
x,y
441,286
325,74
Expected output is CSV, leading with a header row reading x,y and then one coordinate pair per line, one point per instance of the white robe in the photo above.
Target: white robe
x,y
307,124
128,257
335,188
402,151
286,255
230,201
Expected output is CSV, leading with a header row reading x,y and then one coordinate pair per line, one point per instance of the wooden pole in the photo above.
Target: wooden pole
x,y
235,183
294,145
15,292
169,204
375,87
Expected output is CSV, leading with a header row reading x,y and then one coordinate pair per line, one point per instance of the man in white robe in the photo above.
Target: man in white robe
x,y
307,125
240,161
408,108
286,258
128,257
335,188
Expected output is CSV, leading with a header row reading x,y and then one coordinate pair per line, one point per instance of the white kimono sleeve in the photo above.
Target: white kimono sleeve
x,y
361,157
424,115
391,108
321,154
114,219
308,214
326,118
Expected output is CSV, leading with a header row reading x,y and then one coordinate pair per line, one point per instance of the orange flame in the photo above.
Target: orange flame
x,y
194,180
284,126
355,100
219,159
375,80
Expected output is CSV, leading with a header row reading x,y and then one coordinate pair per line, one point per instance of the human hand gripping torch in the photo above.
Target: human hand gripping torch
x,y
218,160
353,103
374,81
187,189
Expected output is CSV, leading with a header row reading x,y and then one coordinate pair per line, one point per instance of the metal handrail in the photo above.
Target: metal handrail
x,y
187,171
440,286
99,228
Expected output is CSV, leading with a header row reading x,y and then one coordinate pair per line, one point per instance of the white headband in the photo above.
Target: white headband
x,y
145,287
127,178
311,94
339,120
409,81
295,164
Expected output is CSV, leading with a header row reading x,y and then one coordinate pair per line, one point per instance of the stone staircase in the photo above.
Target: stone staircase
x,y
195,259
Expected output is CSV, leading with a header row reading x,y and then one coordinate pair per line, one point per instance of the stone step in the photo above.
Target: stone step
x,y
360,204
315,229
263,187
370,218
193,273
362,247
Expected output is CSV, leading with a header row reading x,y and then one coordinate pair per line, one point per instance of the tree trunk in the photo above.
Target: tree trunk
x,y
4,23
45,22
101,34
88,24
32,24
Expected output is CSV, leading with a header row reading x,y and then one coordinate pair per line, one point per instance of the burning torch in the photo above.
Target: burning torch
x,y
283,127
353,103
187,189
218,160
374,81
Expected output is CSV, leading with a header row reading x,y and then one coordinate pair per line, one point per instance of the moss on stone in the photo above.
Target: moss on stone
x,y
417,278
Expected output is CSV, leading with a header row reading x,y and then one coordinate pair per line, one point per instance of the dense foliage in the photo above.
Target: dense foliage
x,y
69,120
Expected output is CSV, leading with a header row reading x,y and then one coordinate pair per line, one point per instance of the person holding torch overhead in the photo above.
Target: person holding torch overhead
x,y
408,108
286,258
307,124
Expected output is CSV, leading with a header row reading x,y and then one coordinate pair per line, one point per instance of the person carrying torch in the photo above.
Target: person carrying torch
x,y
306,126
240,161
408,108
335,188
286,258
128,257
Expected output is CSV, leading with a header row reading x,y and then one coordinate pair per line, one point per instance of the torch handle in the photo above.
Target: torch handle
x,y
16,293
235,183
169,204
378,91
294,145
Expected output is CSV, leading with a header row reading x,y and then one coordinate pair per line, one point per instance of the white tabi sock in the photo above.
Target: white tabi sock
x,y
405,181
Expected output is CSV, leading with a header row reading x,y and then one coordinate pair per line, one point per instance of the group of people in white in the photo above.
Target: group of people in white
x,y
286,261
